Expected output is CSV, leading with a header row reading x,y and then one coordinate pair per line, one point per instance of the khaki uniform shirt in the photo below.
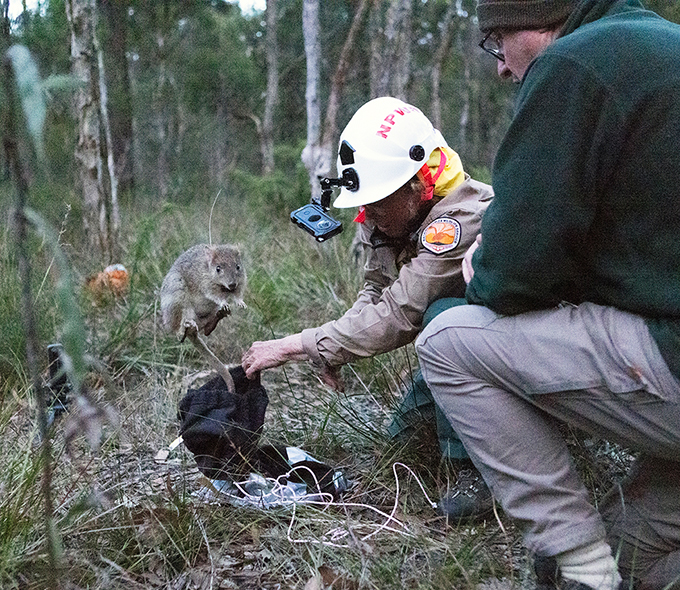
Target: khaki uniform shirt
x,y
400,283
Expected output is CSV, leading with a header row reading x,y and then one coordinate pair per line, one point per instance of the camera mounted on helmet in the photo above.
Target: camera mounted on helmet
x,y
314,217
386,143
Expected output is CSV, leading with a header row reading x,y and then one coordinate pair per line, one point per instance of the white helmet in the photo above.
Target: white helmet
x,y
383,146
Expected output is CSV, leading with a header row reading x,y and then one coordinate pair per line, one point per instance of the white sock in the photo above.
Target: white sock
x,y
592,565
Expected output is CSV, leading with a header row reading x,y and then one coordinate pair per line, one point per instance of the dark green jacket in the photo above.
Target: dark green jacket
x,y
587,179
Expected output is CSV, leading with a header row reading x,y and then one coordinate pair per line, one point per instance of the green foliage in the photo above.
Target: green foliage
x,y
29,88
210,80
12,352
278,193
667,8
72,329
482,174
46,34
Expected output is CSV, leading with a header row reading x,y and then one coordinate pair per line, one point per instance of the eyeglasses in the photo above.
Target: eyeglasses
x,y
491,45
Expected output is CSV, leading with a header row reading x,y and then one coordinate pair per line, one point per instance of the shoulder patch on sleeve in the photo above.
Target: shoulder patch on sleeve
x,y
441,235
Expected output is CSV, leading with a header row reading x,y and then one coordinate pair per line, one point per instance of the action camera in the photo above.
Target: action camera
x,y
314,217
314,220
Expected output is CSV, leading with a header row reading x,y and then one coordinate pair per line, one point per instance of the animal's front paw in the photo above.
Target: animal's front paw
x,y
241,303
224,311
188,328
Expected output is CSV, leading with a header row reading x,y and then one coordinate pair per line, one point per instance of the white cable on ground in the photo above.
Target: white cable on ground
x,y
382,527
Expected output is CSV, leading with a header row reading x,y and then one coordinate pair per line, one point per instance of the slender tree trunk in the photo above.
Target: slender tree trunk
x,y
465,108
5,24
330,131
401,50
5,41
272,89
390,61
311,152
81,18
5,19
110,223
375,34
118,76
162,116
442,51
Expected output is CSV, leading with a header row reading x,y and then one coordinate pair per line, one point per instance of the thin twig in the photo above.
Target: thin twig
x,y
210,218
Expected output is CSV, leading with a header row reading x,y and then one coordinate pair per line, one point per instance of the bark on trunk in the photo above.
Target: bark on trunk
x,y
110,214
391,49
4,45
390,62
375,33
443,49
400,52
118,76
81,15
330,131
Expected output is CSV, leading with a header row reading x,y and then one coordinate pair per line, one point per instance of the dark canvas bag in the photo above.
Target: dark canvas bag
x,y
222,429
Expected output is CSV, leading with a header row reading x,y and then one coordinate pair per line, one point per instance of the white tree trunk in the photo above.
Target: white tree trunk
x,y
390,62
375,34
272,89
111,219
442,51
330,131
401,50
311,154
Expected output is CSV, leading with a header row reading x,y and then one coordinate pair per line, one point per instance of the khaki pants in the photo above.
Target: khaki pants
x,y
502,381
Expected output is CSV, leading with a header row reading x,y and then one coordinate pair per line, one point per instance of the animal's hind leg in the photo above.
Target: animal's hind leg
x,y
192,333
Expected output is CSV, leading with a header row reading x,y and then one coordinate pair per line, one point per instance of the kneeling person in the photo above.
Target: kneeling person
x,y
419,213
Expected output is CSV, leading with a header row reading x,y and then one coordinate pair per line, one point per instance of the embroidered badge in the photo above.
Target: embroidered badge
x,y
441,235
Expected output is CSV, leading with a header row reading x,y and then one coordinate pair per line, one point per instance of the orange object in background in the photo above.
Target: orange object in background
x,y
113,280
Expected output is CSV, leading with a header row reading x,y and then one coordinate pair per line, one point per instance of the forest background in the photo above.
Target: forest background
x,y
135,129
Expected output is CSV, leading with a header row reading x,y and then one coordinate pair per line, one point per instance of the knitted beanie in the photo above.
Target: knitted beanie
x,y
522,14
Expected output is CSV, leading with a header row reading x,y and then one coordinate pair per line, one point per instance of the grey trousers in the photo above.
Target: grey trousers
x,y
503,380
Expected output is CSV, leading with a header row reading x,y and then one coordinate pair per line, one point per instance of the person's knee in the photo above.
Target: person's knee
x,y
447,338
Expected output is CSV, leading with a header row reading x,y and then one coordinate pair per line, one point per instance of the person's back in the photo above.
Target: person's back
x,y
631,61
601,105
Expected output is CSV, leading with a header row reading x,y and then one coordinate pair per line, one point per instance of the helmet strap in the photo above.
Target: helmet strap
x,y
429,179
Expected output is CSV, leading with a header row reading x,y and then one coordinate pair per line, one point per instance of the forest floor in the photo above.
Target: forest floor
x,y
126,517
130,517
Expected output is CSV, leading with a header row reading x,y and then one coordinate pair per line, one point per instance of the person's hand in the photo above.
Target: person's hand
x,y
468,271
331,377
272,353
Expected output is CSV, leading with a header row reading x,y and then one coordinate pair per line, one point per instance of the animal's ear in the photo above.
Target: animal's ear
x,y
212,256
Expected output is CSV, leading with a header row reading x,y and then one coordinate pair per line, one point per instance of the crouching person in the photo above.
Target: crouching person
x,y
574,294
419,212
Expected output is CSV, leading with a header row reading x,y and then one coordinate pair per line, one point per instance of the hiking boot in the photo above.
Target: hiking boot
x,y
469,498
